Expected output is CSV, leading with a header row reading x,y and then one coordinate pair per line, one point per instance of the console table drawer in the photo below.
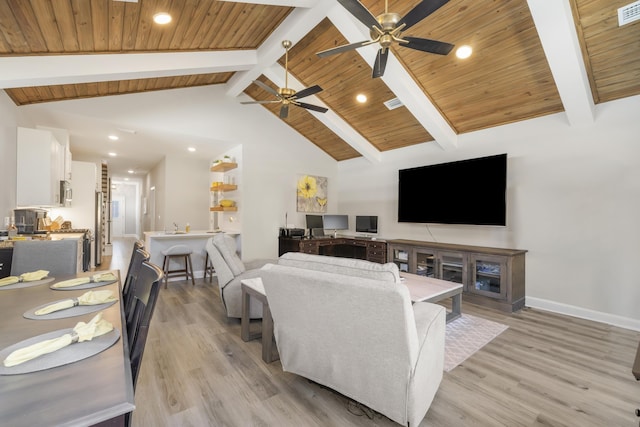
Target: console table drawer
x,y
380,246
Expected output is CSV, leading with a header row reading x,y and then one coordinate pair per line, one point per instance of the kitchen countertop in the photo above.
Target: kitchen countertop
x,y
184,235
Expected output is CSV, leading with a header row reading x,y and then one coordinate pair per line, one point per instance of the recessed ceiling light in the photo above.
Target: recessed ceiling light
x,y
131,171
126,179
361,98
192,149
113,137
464,51
162,18
112,154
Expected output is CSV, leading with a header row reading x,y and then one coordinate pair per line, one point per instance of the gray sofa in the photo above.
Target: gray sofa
x,y
350,325
230,271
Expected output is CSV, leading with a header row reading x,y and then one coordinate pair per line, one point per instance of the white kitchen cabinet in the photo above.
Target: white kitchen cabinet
x,y
40,168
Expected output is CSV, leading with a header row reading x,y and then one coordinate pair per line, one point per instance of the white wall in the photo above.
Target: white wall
x,y
186,192
573,203
8,136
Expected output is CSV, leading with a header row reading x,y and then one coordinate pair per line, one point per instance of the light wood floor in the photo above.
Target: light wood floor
x,y
544,370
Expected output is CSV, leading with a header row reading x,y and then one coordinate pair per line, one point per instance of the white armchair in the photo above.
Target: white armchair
x,y
360,337
230,271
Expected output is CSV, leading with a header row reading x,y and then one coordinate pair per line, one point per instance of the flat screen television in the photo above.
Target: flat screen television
x,y
336,222
367,224
462,192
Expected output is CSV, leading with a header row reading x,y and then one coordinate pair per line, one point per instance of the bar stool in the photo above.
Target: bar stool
x,y
178,251
208,266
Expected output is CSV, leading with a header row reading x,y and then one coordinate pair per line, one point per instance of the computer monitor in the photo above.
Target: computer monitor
x,y
367,224
336,222
315,225
314,221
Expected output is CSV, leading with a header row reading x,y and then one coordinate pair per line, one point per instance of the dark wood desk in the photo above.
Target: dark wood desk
x,y
94,391
347,247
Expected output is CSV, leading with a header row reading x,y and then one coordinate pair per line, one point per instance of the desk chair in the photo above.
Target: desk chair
x,y
138,319
59,257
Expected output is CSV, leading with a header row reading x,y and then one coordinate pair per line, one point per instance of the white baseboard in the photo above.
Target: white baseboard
x,y
583,313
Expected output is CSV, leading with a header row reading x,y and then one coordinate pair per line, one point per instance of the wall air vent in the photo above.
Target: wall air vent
x,y
393,103
629,13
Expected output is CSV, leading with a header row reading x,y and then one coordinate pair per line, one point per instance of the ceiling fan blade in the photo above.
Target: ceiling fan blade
x,y
284,111
307,92
267,88
380,64
358,10
311,107
420,11
344,48
426,45
260,102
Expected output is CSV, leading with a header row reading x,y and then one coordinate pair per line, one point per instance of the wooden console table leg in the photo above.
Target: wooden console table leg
x,y
245,319
456,307
268,346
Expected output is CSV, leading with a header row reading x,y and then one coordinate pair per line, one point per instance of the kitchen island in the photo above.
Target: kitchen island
x,y
157,241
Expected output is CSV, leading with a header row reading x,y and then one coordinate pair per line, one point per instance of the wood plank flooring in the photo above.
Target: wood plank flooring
x,y
544,370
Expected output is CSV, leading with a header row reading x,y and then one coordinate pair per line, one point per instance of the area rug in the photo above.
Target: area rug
x,y
466,335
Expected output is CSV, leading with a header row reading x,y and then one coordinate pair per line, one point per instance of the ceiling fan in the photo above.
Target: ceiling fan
x,y
387,29
287,96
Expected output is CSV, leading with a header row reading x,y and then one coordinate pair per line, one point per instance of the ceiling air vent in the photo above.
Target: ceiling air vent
x,y
629,13
394,103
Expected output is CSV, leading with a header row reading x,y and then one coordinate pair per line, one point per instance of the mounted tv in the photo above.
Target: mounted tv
x,y
462,192
367,224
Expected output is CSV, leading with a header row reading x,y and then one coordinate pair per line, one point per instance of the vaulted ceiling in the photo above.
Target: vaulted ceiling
x,y
530,58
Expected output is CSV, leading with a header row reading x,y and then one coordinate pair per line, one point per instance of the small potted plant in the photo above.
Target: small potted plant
x,y
226,159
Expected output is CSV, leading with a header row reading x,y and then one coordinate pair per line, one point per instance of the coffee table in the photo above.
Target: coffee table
x,y
428,289
254,288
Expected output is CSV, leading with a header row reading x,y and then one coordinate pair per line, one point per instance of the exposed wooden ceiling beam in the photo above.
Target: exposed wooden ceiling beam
x,y
397,79
330,119
299,22
556,29
24,71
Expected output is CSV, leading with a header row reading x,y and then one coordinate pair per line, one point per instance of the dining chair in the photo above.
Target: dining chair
x,y
58,257
138,257
143,302
138,319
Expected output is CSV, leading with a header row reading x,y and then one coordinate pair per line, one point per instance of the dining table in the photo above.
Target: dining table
x,y
96,390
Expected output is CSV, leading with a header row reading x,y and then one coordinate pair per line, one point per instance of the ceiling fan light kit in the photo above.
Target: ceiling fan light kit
x,y
287,96
386,29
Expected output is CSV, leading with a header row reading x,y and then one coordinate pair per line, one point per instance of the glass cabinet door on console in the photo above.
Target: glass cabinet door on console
x,y
489,276
452,267
426,264
401,257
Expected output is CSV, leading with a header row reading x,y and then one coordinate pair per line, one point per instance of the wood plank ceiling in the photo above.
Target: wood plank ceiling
x,y
507,79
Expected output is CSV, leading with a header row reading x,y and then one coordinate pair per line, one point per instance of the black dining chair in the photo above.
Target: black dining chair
x,y
138,257
138,244
138,319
